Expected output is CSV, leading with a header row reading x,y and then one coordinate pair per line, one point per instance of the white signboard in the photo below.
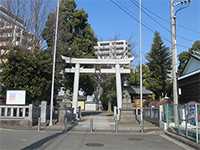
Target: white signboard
x,y
15,97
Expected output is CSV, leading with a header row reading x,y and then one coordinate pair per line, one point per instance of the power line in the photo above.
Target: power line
x,y
144,25
161,25
165,20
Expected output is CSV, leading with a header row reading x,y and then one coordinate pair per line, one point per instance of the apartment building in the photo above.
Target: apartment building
x,y
13,33
113,49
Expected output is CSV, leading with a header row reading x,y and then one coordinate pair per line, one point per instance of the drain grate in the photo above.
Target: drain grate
x,y
134,139
94,144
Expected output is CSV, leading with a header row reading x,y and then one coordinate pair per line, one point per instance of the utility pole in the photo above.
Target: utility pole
x,y
141,77
54,64
174,59
175,7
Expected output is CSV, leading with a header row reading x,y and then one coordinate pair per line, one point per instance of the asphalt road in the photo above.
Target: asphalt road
x,y
73,140
88,141
80,138
19,139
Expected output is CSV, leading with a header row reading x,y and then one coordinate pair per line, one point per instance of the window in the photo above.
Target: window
x,y
104,44
119,43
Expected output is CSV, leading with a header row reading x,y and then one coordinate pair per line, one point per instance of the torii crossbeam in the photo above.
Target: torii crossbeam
x,y
121,66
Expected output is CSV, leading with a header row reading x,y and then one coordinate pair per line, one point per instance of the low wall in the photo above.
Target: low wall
x,y
14,123
14,116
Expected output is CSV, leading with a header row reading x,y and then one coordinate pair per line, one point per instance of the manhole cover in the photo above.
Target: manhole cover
x,y
134,139
94,144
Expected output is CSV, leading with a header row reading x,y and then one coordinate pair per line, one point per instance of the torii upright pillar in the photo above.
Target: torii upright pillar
x,y
76,87
118,87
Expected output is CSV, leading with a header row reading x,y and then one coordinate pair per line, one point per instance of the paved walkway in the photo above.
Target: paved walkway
x,y
102,121
105,122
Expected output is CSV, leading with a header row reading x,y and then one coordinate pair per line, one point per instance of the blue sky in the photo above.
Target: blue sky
x,y
109,22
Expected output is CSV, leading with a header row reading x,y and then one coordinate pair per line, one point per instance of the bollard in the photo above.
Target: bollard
x,y
116,125
38,124
186,120
91,125
167,116
115,111
197,123
65,123
160,115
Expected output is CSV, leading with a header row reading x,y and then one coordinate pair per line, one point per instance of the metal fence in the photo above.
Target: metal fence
x,y
187,123
188,120
151,114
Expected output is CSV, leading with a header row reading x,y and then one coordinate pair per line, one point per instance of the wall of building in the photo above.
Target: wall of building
x,y
112,49
190,89
13,33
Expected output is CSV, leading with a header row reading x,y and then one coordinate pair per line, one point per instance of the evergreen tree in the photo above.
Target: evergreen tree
x,y
75,35
25,71
75,39
183,58
134,77
185,55
195,47
159,63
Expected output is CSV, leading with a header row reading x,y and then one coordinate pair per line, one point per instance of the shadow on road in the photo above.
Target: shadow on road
x,y
42,142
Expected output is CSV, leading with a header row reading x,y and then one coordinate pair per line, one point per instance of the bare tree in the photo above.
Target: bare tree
x,y
34,14
17,7
37,22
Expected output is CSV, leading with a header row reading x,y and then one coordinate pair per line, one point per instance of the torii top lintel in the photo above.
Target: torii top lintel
x,y
70,60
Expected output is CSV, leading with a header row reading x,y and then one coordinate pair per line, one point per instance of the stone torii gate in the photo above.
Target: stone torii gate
x,y
120,66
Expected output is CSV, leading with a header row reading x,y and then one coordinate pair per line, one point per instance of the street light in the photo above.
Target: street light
x,y
176,6
181,4
54,65
141,77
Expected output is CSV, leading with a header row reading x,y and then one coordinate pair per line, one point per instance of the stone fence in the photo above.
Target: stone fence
x,y
13,115
16,112
28,115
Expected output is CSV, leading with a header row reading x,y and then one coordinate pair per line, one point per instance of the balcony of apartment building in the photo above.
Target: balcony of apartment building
x,y
6,29
4,44
6,37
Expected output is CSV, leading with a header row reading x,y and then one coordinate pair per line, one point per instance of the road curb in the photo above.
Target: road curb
x,y
183,140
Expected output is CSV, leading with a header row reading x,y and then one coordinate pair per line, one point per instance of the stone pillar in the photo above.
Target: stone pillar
x,y
30,115
76,87
118,87
61,114
43,112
